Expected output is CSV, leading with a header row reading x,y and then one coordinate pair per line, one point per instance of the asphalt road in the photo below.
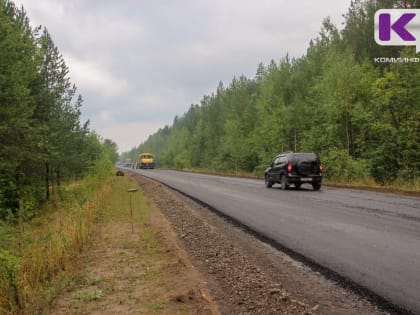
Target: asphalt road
x,y
370,238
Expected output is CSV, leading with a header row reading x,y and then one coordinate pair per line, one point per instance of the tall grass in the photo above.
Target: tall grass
x,y
35,256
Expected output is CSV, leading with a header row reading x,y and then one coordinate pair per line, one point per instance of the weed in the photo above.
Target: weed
x,y
149,244
88,296
94,281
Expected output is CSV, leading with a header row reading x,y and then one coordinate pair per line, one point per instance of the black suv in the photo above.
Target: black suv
x,y
296,169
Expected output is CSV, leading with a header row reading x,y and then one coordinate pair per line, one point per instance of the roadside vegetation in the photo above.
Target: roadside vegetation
x,y
51,164
37,256
361,116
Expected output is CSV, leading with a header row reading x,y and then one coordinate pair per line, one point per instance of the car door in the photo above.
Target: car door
x,y
282,166
275,169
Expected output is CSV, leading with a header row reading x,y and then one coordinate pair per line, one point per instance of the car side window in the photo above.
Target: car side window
x,y
277,161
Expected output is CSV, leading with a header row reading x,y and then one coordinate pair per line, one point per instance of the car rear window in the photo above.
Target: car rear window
x,y
304,156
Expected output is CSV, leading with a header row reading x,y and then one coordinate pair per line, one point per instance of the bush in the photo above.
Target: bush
x,y
339,166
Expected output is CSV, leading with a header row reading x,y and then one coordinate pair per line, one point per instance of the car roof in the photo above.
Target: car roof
x,y
296,153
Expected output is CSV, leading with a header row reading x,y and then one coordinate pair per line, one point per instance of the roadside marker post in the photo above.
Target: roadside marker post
x,y
131,208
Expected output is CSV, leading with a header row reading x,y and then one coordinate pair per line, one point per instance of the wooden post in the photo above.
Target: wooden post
x,y
131,209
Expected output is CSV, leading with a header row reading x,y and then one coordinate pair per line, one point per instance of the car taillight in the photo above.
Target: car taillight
x,y
320,168
289,168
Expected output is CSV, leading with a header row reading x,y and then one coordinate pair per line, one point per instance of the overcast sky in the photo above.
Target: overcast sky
x,y
138,63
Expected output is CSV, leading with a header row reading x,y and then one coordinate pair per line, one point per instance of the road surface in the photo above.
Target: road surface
x,y
371,238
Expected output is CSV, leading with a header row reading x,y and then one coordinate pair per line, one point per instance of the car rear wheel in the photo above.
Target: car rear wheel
x,y
268,183
316,186
283,182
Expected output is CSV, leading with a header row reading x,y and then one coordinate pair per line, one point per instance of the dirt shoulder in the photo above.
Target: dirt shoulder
x,y
140,272
245,275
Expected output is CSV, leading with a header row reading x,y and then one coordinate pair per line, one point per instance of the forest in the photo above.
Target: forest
x,y
51,167
43,142
361,115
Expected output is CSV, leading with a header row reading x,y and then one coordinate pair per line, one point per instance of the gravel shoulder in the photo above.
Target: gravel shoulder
x,y
245,275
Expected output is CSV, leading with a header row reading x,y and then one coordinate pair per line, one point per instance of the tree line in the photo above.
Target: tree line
x,y
42,139
361,116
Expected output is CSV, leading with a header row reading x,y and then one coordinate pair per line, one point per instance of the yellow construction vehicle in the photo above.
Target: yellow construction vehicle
x,y
146,160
